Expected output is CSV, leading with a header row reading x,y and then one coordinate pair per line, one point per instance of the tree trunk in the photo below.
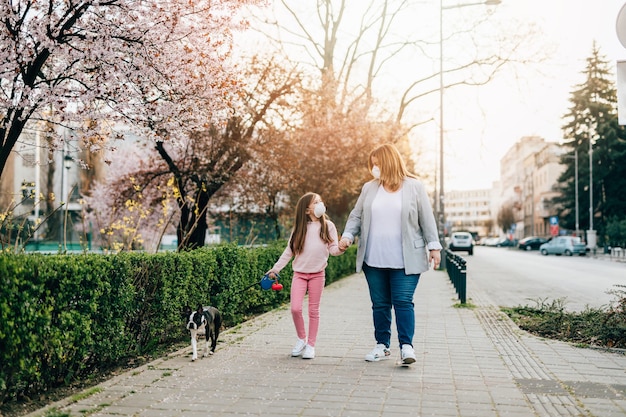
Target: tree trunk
x,y
9,137
191,231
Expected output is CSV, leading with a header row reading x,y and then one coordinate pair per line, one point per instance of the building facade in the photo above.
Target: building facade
x,y
40,183
524,174
542,170
472,211
529,172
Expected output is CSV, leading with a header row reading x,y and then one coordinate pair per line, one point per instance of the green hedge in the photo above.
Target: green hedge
x,y
64,316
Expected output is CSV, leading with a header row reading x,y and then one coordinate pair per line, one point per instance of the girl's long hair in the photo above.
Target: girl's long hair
x,y
298,235
392,167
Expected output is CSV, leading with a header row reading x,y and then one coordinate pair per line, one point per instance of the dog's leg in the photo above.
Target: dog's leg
x,y
207,335
217,324
194,345
215,329
214,335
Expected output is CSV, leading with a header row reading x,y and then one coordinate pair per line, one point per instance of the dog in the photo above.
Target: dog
x,y
207,319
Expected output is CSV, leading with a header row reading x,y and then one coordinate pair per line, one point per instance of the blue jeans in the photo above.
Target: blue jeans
x,y
392,288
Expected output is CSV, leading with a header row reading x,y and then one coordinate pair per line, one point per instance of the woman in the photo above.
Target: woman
x,y
398,240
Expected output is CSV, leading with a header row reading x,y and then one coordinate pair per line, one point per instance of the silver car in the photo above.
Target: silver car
x,y
564,245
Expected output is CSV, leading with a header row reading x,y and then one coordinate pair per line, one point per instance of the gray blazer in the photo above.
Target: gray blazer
x,y
419,231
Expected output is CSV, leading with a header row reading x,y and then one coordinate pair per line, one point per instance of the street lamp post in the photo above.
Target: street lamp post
x,y
37,201
575,157
576,190
440,200
65,171
591,233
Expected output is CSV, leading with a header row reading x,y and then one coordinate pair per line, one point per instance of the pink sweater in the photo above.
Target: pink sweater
x,y
314,256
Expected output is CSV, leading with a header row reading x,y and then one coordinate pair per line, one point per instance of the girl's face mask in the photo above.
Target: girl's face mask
x,y
319,209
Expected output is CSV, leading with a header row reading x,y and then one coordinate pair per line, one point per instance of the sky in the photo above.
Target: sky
x,y
482,123
509,109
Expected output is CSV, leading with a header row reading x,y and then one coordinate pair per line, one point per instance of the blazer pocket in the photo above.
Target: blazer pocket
x,y
419,243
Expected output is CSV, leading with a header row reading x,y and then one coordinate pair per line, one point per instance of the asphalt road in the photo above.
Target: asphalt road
x,y
511,277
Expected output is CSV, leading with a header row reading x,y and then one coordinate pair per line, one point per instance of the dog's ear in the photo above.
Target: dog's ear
x,y
200,309
186,312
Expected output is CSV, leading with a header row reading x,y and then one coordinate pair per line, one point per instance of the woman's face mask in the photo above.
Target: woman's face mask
x,y
376,172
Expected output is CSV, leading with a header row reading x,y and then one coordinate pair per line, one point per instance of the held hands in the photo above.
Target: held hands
x,y
434,258
344,243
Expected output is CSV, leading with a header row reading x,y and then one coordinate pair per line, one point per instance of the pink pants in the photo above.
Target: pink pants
x,y
314,283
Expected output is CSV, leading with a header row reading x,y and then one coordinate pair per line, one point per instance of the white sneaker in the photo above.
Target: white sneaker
x,y
298,348
309,352
407,354
378,353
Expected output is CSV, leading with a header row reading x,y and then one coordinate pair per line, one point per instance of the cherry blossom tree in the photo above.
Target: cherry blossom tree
x,y
191,170
121,220
155,66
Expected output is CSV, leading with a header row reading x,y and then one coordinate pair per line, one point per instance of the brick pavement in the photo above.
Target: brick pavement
x,y
470,362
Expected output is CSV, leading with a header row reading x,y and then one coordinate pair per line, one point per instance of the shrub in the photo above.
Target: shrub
x,y
601,327
64,316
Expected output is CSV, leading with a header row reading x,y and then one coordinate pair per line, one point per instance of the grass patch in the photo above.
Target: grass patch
x,y
464,305
592,327
56,413
85,394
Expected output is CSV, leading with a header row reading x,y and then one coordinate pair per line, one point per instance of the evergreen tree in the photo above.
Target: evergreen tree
x,y
593,117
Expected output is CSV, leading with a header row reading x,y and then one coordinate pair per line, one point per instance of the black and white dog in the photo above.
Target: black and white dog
x,y
208,319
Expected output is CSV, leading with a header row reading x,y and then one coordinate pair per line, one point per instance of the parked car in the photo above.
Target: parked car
x,y
489,241
531,243
462,241
504,242
564,245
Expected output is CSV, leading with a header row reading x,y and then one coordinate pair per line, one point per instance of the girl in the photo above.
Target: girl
x,y
312,239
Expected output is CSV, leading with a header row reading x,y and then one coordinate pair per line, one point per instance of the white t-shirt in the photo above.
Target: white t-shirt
x,y
384,243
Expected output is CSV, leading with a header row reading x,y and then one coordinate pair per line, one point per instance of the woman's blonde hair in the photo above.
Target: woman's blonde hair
x,y
298,235
392,167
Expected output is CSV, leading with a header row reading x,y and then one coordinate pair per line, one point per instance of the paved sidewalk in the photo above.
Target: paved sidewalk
x,y
470,362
